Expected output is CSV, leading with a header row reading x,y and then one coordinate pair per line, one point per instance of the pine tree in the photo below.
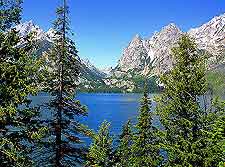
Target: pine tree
x,y
63,145
123,151
145,150
101,151
18,80
10,13
215,128
185,123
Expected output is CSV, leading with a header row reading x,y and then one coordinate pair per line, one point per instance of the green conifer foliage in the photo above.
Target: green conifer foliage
x,y
214,124
145,150
64,147
186,124
18,80
101,152
123,151
10,13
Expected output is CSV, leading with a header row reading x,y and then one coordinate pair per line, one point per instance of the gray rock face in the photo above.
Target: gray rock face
x,y
95,71
142,54
89,73
107,71
211,37
134,56
28,27
160,45
211,34
155,52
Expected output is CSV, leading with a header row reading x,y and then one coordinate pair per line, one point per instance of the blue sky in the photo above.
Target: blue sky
x,y
103,28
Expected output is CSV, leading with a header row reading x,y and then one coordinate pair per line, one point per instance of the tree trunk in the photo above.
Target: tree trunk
x,y
60,98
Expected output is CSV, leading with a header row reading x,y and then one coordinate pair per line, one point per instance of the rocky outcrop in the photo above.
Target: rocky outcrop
x,y
134,56
89,73
154,53
159,48
141,54
92,69
211,37
29,27
107,70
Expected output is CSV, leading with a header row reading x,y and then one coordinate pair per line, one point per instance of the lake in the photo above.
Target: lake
x,y
116,108
113,107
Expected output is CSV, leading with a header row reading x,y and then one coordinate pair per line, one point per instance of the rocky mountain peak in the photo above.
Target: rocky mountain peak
x,y
45,40
39,34
167,32
136,41
211,35
90,68
217,22
51,33
107,70
170,27
134,55
141,53
137,37
160,45
28,27
155,52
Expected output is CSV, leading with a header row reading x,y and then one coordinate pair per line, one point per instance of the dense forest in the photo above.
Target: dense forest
x,y
191,134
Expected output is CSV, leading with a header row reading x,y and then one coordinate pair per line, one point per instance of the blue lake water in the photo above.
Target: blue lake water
x,y
113,107
116,108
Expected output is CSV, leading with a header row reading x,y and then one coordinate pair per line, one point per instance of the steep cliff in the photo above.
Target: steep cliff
x,y
154,53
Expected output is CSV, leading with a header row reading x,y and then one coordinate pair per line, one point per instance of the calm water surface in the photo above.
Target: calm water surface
x,y
113,107
116,108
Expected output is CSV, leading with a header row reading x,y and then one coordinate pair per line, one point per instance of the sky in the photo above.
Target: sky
x,y
103,28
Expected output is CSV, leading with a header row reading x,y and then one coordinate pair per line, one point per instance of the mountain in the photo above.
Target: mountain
x,y
95,71
211,37
90,75
134,56
142,54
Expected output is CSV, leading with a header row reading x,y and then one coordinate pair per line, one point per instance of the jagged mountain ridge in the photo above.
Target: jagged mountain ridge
x,y
211,37
142,54
89,73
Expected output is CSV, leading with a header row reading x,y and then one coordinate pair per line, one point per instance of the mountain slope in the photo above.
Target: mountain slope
x,y
142,54
211,37
90,75
135,55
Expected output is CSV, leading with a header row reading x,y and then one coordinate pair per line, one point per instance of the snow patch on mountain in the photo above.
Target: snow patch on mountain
x,y
155,52
45,40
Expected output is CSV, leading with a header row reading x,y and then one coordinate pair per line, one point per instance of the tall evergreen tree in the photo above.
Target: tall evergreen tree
x,y
184,121
18,80
123,151
64,146
145,150
101,151
10,13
